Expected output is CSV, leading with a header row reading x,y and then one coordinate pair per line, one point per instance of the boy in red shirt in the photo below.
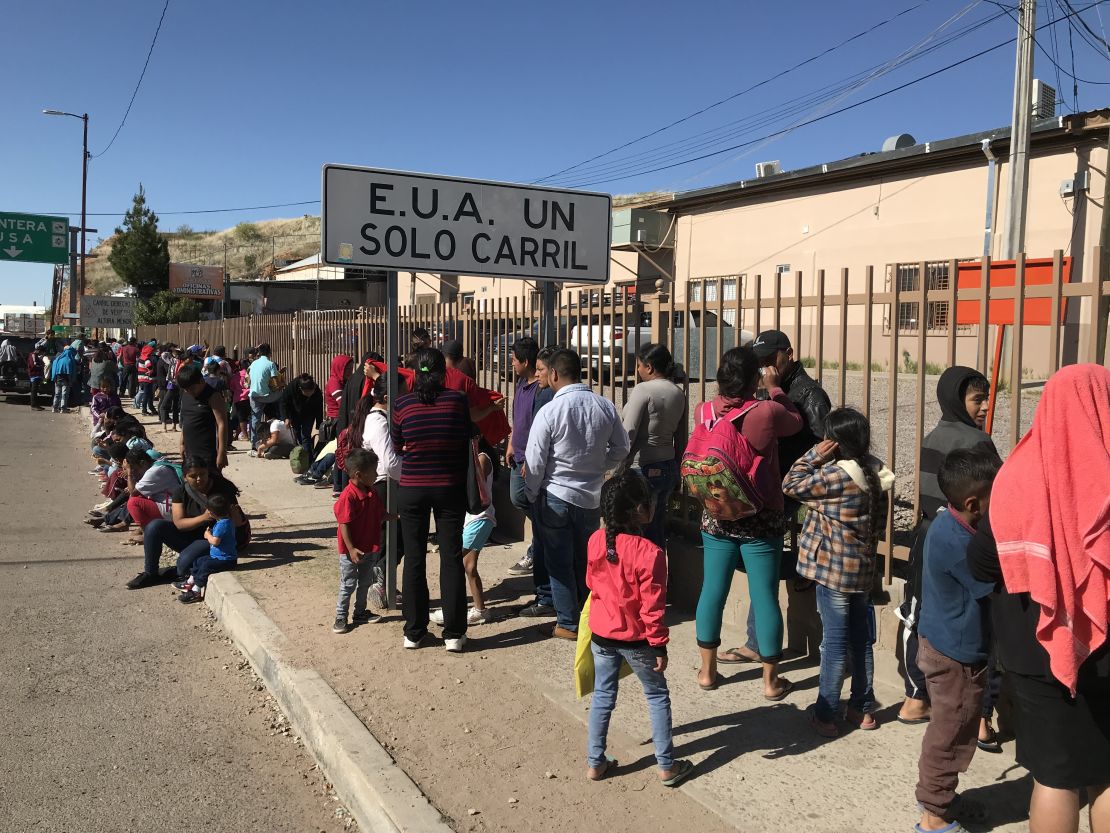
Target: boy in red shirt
x,y
359,513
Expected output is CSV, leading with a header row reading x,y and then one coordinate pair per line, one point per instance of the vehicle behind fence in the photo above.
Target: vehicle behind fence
x,y
876,349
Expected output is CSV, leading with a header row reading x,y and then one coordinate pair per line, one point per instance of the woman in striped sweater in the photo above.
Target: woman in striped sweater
x,y
431,430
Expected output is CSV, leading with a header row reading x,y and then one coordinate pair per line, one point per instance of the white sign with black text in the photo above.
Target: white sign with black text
x,y
424,223
107,311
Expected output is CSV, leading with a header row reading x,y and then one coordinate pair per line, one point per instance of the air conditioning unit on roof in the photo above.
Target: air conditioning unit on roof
x,y
763,169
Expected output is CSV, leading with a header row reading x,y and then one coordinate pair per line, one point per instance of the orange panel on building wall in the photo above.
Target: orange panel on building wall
x,y
1036,311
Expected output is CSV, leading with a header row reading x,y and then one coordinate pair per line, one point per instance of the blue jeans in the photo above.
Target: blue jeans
x,y
662,478
565,530
318,468
303,432
61,394
354,580
258,412
519,499
848,623
607,667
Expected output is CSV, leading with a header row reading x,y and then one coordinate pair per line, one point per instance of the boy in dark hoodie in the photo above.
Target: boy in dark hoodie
x,y
963,394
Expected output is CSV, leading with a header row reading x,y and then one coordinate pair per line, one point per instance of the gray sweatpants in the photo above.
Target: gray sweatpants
x,y
353,579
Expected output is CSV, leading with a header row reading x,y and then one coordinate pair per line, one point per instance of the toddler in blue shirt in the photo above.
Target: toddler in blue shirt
x,y
222,553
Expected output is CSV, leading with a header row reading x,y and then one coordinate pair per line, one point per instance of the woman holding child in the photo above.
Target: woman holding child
x,y
184,531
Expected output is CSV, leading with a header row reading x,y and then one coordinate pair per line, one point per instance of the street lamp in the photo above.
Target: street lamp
x,y
84,188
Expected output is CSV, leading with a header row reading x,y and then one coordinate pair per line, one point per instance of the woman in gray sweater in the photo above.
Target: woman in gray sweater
x,y
655,419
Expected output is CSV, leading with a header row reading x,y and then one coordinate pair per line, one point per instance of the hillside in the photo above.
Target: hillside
x,y
251,249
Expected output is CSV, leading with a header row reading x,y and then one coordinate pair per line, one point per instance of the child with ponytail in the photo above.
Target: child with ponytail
x,y
844,488
627,577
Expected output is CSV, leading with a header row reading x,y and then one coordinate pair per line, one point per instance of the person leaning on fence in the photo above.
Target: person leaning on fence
x,y
655,417
844,488
573,441
962,394
756,541
773,348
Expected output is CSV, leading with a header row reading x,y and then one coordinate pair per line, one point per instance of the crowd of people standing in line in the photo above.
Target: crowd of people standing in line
x,y
1009,594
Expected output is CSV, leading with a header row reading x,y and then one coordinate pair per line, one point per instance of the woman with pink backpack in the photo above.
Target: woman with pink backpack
x,y
731,464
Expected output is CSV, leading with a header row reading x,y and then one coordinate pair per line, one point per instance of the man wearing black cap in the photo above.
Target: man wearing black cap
x,y
779,367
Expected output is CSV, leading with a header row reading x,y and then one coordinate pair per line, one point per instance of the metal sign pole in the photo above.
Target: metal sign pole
x,y
391,334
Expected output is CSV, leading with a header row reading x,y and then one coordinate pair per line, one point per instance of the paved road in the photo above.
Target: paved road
x,y
120,710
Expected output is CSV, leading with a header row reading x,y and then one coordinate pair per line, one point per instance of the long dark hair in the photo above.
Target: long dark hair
x,y
358,419
621,496
431,371
852,433
197,462
658,358
737,372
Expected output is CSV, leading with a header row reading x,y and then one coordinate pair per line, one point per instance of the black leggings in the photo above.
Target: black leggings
x,y
169,409
448,504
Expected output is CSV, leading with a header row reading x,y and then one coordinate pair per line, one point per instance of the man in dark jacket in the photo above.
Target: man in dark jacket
x,y
773,349
302,408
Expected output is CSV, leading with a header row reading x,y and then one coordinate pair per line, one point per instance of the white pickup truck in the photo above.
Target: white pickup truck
x,y
608,348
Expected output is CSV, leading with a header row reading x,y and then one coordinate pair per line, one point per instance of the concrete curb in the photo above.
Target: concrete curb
x,y
380,795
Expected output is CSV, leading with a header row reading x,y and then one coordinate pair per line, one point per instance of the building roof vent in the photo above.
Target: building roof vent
x,y
902,140
763,169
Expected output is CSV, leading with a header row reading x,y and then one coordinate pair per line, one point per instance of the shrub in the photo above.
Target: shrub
x,y
247,232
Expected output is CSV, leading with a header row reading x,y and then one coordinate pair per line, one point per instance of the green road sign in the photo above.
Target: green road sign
x,y
33,238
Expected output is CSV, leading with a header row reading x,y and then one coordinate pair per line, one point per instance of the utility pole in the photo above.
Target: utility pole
x,y
1013,242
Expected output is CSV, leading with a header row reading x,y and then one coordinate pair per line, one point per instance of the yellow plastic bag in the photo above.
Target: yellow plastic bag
x,y
584,657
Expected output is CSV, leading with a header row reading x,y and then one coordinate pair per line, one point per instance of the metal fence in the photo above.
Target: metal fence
x,y
842,331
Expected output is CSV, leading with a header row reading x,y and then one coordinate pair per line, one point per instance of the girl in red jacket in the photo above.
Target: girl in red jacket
x,y
627,577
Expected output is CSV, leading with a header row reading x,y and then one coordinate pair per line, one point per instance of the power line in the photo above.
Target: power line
x,y
1052,23
1100,45
759,119
175,213
142,74
725,100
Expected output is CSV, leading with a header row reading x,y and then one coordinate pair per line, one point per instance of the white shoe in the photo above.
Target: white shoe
x,y
436,616
455,646
411,645
478,617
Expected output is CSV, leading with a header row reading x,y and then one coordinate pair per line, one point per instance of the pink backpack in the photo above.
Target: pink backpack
x,y
721,469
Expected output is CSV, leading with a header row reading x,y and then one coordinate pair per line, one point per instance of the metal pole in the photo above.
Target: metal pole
x,y
988,227
549,329
73,273
1014,239
84,193
392,331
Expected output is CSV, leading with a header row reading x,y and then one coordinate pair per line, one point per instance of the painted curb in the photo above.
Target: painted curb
x,y
380,795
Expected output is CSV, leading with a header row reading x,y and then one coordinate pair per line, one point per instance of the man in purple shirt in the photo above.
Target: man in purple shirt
x,y
525,350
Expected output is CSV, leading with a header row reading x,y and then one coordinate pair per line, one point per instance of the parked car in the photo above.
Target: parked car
x,y
16,380
498,354
608,348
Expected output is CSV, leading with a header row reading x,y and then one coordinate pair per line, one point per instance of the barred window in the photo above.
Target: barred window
x,y
908,278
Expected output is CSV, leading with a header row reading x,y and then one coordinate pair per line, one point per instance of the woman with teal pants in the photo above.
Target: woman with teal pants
x,y
757,539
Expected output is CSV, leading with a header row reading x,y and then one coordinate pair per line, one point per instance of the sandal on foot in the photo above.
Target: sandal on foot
x,y
710,686
954,827
991,743
685,770
787,687
862,720
733,657
825,730
610,765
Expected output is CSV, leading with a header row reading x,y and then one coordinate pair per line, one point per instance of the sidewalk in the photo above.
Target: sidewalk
x,y
497,729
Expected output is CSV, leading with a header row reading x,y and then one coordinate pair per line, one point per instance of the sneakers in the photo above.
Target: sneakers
x,y
143,579
190,597
537,611
478,617
413,644
183,584
558,632
436,616
455,646
522,567
340,625
365,618
322,484
377,595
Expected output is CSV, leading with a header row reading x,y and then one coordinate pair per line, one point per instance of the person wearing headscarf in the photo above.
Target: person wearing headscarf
x,y
339,373
1046,544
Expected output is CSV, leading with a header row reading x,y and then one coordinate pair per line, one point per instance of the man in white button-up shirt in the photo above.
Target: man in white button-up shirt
x,y
574,440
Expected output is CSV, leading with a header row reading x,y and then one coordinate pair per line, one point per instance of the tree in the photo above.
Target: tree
x,y
166,308
140,255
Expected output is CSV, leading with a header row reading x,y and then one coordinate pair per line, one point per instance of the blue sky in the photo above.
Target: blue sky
x,y
244,101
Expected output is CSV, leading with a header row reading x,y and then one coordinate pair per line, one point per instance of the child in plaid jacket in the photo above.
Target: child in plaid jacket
x,y
844,488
